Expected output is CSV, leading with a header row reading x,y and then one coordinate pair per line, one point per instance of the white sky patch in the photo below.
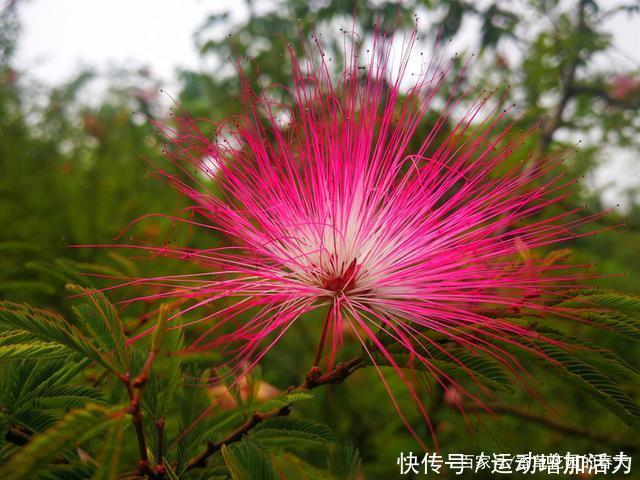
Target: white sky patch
x,y
61,37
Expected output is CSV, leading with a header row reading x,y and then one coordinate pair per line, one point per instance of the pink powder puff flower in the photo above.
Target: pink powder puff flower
x,y
623,87
330,199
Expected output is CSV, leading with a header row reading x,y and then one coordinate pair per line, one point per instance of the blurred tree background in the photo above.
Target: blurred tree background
x,y
76,173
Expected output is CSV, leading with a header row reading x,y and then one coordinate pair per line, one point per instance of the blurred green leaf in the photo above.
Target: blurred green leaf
x,y
75,426
111,452
344,462
247,462
292,431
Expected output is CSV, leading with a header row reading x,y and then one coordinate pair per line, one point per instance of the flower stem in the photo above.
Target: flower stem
x,y
323,339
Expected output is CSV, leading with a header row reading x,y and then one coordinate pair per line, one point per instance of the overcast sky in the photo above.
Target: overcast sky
x,y
60,36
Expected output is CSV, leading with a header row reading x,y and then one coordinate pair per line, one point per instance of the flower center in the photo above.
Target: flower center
x,y
345,281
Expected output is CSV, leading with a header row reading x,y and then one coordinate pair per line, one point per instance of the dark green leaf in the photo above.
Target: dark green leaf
x,y
247,462
289,431
76,425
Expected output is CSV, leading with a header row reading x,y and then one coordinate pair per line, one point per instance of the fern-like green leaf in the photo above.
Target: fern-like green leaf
x,y
27,380
109,459
619,323
283,400
59,272
598,299
246,461
215,472
77,424
479,366
607,361
606,391
344,462
34,419
292,466
103,321
475,367
32,349
68,396
170,473
164,376
191,402
285,431
51,327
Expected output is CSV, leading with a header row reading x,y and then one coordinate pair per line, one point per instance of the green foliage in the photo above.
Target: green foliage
x,y
12,348
76,425
51,327
191,403
292,431
53,408
170,472
103,325
601,373
45,397
165,377
598,381
455,362
34,391
111,452
590,300
344,462
247,462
